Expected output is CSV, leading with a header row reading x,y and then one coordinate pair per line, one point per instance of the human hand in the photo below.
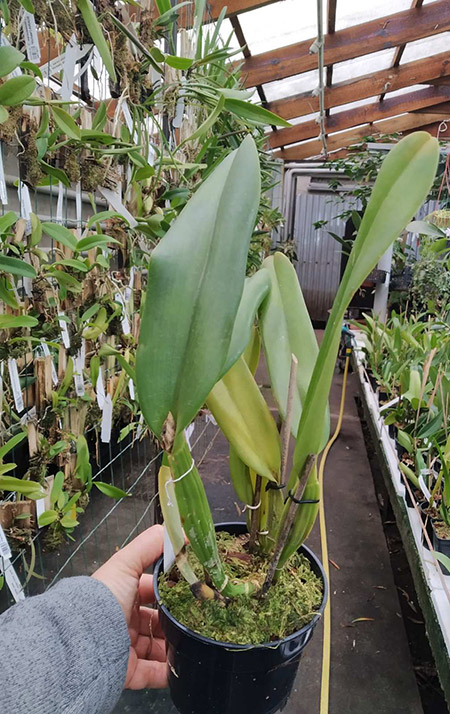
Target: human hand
x,y
124,575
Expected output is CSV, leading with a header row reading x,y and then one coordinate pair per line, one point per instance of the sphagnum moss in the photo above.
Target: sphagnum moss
x,y
289,605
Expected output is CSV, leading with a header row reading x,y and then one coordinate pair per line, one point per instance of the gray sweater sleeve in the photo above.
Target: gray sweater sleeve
x,y
64,652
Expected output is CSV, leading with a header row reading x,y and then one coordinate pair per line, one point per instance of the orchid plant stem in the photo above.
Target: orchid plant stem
x,y
287,524
286,428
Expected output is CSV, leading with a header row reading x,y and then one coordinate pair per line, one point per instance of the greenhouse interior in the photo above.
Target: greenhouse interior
x,y
225,356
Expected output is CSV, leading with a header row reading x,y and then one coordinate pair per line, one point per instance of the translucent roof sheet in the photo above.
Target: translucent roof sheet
x,y
352,12
363,65
305,82
426,47
279,24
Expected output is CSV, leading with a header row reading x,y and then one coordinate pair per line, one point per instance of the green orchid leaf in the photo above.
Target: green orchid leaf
x,y
14,266
97,34
189,314
16,321
255,113
110,490
60,234
15,90
10,58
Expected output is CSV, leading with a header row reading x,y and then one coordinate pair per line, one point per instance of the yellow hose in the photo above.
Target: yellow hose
x,y
325,681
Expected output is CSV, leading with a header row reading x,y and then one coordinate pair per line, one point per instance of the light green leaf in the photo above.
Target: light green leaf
x,y
195,283
103,216
10,58
244,417
208,123
97,34
12,443
15,90
402,185
8,321
178,62
4,114
444,559
95,241
57,174
47,517
14,266
6,221
57,487
61,234
255,290
30,489
110,490
66,123
255,113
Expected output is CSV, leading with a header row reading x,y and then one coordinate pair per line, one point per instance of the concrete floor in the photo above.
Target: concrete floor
x,y
371,670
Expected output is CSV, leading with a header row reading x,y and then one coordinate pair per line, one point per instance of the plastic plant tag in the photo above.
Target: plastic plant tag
x,y
5,550
131,389
188,433
12,581
46,352
43,504
117,205
78,365
79,204
169,555
424,488
3,191
56,65
59,205
64,331
31,38
15,384
105,435
25,205
100,389
125,321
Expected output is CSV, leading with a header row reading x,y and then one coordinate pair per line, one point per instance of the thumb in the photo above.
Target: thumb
x,y
143,551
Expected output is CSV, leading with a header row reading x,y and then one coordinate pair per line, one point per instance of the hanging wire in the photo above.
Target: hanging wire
x,y
320,50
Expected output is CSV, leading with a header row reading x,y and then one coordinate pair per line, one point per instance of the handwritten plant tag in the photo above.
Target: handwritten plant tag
x,y
100,389
107,412
46,353
31,38
15,384
3,191
5,550
64,331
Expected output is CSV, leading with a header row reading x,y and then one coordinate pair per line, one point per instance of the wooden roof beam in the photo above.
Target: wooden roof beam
x,y
214,8
426,100
422,71
355,41
331,27
401,48
344,139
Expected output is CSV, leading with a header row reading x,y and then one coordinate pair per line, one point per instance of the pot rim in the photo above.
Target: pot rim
x,y
230,645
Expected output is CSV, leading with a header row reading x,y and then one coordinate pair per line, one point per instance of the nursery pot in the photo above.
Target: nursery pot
x,y
209,677
441,545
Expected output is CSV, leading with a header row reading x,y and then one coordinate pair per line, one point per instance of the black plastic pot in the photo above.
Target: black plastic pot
x,y
441,545
209,677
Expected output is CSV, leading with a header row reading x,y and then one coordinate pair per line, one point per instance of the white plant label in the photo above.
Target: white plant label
x,y
210,419
129,288
140,427
15,384
70,59
13,582
29,415
64,331
169,554
188,433
60,202
131,389
100,389
25,205
78,365
56,65
3,191
424,488
46,352
31,38
107,420
117,205
79,204
5,550
125,321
